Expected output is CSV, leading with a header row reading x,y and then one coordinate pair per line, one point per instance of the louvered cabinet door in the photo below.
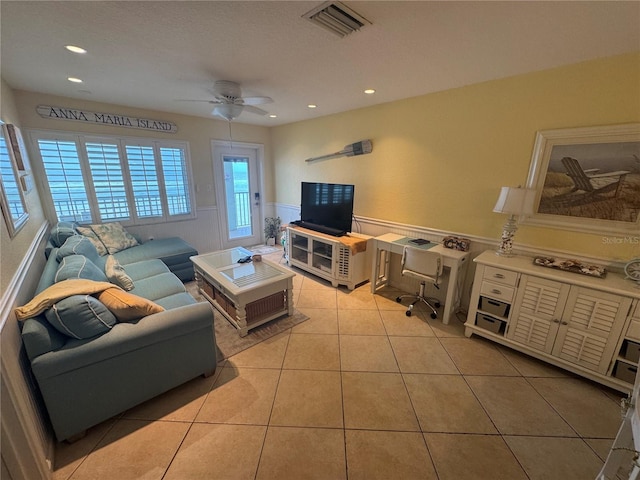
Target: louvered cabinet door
x,y
537,311
590,328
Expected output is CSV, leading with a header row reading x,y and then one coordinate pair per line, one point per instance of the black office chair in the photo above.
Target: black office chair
x,y
426,266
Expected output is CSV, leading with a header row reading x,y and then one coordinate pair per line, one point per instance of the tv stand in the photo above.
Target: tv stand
x,y
335,232
331,258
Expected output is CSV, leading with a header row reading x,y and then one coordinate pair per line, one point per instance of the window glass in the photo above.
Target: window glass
x,y
108,181
176,180
10,184
66,183
144,180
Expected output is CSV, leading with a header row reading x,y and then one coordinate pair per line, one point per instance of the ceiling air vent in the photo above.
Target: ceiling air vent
x,y
337,18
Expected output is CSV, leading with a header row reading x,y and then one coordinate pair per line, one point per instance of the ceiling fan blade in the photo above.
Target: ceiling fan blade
x,y
256,110
256,100
214,102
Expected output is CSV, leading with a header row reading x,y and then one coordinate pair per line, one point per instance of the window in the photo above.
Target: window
x,y
102,179
11,198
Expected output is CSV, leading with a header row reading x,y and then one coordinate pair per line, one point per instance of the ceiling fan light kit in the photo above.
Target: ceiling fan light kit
x,y
227,111
229,103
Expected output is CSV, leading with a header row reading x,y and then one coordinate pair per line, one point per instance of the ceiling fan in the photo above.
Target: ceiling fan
x,y
229,103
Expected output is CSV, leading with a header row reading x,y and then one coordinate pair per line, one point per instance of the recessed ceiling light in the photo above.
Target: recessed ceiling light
x,y
74,79
273,116
312,105
75,49
369,91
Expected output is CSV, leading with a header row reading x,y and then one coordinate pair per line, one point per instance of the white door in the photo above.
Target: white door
x,y
237,178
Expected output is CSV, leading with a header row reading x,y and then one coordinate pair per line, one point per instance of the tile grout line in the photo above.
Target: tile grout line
x,y
273,402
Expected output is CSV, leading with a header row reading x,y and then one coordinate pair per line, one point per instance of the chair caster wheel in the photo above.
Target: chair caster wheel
x,y
437,304
398,299
408,313
434,316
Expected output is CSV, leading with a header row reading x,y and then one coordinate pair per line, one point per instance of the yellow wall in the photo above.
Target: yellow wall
x,y
13,250
197,131
439,160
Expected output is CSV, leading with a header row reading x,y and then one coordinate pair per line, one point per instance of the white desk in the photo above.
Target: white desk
x,y
455,260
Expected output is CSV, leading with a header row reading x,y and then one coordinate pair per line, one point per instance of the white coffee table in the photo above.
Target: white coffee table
x,y
246,294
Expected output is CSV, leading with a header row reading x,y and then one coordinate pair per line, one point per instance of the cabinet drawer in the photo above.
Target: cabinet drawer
x,y
506,277
497,291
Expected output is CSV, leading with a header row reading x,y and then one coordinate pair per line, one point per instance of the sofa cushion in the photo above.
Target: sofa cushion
x,y
116,274
93,238
80,316
176,300
158,286
78,245
61,231
144,269
127,306
79,266
114,236
171,251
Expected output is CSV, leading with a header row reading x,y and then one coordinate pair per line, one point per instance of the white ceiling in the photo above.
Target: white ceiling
x,y
152,54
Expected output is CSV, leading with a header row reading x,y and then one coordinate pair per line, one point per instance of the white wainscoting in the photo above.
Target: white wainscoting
x,y
376,227
27,443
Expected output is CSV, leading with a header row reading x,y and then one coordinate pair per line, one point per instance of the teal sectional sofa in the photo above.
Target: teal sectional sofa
x,y
94,359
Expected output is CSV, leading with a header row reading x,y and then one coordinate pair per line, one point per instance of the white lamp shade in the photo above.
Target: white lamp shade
x,y
515,201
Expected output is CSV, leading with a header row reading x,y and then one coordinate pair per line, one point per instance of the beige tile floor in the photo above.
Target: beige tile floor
x,y
360,391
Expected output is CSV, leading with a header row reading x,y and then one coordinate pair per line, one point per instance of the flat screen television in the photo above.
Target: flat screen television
x,y
327,205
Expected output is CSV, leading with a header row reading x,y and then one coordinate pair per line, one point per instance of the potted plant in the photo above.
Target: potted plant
x,y
271,229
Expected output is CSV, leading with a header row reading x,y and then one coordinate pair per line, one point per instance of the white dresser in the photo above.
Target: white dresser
x,y
587,325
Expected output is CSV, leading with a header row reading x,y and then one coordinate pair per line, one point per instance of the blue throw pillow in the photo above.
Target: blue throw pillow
x,y
79,266
80,316
78,245
61,231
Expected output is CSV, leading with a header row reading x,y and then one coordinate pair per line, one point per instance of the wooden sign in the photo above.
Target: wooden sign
x,y
110,119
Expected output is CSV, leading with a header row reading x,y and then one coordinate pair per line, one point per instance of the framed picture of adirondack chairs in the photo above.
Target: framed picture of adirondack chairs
x,y
587,179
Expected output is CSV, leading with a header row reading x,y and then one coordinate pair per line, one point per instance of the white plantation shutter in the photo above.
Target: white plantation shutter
x,y
95,179
66,183
176,181
144,180
108,181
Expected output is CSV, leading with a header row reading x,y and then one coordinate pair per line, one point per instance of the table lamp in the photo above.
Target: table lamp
x,y
514,201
